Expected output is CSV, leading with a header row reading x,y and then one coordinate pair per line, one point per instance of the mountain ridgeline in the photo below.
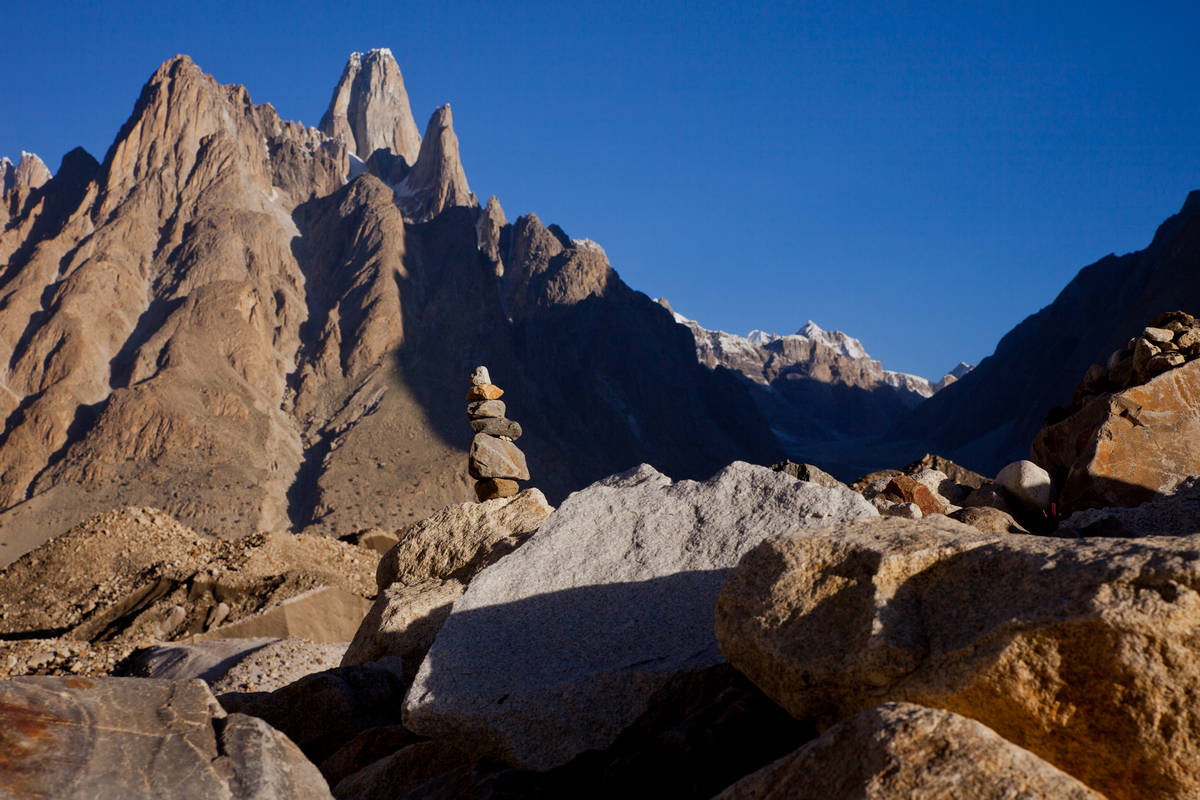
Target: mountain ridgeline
x,y
254,324
991,416
258,325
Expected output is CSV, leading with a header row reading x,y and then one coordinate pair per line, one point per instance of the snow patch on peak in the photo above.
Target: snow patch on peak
x,y
962,369
381,52
588,244
835,340
762,337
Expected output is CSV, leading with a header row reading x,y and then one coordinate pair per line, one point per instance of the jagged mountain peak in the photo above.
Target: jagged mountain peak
x,y
370,110
437,181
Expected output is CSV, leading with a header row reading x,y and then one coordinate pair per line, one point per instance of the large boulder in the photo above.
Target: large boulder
x,y
403,622
1122,449
96,739
558,647
1081,651
459,540
900,750
428,569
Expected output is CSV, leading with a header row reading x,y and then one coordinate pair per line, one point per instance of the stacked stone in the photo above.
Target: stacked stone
x,y
495,463
1170,341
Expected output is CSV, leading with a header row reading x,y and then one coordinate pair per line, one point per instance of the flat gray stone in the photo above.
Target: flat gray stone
x,y
495,458
493,426
480,409
558,647
119,738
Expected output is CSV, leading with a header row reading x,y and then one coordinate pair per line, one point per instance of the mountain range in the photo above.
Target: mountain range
x,y
258,325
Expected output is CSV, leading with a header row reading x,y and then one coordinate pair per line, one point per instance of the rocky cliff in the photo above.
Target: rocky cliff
x,y
216,321
991,415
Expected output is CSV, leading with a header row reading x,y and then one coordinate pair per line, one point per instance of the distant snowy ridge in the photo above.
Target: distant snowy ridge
x,y
743,353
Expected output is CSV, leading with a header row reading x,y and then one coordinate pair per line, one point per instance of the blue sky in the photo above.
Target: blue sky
x,y
920,175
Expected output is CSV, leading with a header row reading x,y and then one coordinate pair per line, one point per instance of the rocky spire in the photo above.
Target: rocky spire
x,y
488,232
369,109
437,180
30,171
18,180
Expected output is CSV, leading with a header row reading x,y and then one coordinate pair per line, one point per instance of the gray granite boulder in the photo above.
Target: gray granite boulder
x,y
124,738
557,647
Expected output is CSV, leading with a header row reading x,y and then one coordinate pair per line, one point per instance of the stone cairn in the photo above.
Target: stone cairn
x,y
1171,340
495,463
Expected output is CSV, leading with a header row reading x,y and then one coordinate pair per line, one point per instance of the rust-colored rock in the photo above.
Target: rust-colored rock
x,y
487,391
900,750
1124,449
495,488
907,490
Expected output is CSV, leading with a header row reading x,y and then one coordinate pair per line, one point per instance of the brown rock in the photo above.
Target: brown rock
x,y
1188,339
871,477
403,770
900,750
163,581
956,472
460,540
907,490
987,519
1080,651
366,748
1165,319
324,710
1123,451
1143,351
808,472
81,738
988,495
494,426
495,458
403,622
1164,361
376,539
495,488
481,409
487,391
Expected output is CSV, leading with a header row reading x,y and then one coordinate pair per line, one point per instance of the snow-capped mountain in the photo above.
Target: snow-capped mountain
x,y
750,354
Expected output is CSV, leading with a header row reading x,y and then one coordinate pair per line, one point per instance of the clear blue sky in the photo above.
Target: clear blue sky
x,y
920,175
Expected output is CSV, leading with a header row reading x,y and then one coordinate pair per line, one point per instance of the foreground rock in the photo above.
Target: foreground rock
x,y
458,541
1123,449
1082,652
428,569
700,731
323,711
899,750
136,574
235,665
1177,514
121,737
557,648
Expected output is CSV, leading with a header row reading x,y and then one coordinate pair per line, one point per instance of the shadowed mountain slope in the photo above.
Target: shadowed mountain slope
x,y
990,416
213,321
